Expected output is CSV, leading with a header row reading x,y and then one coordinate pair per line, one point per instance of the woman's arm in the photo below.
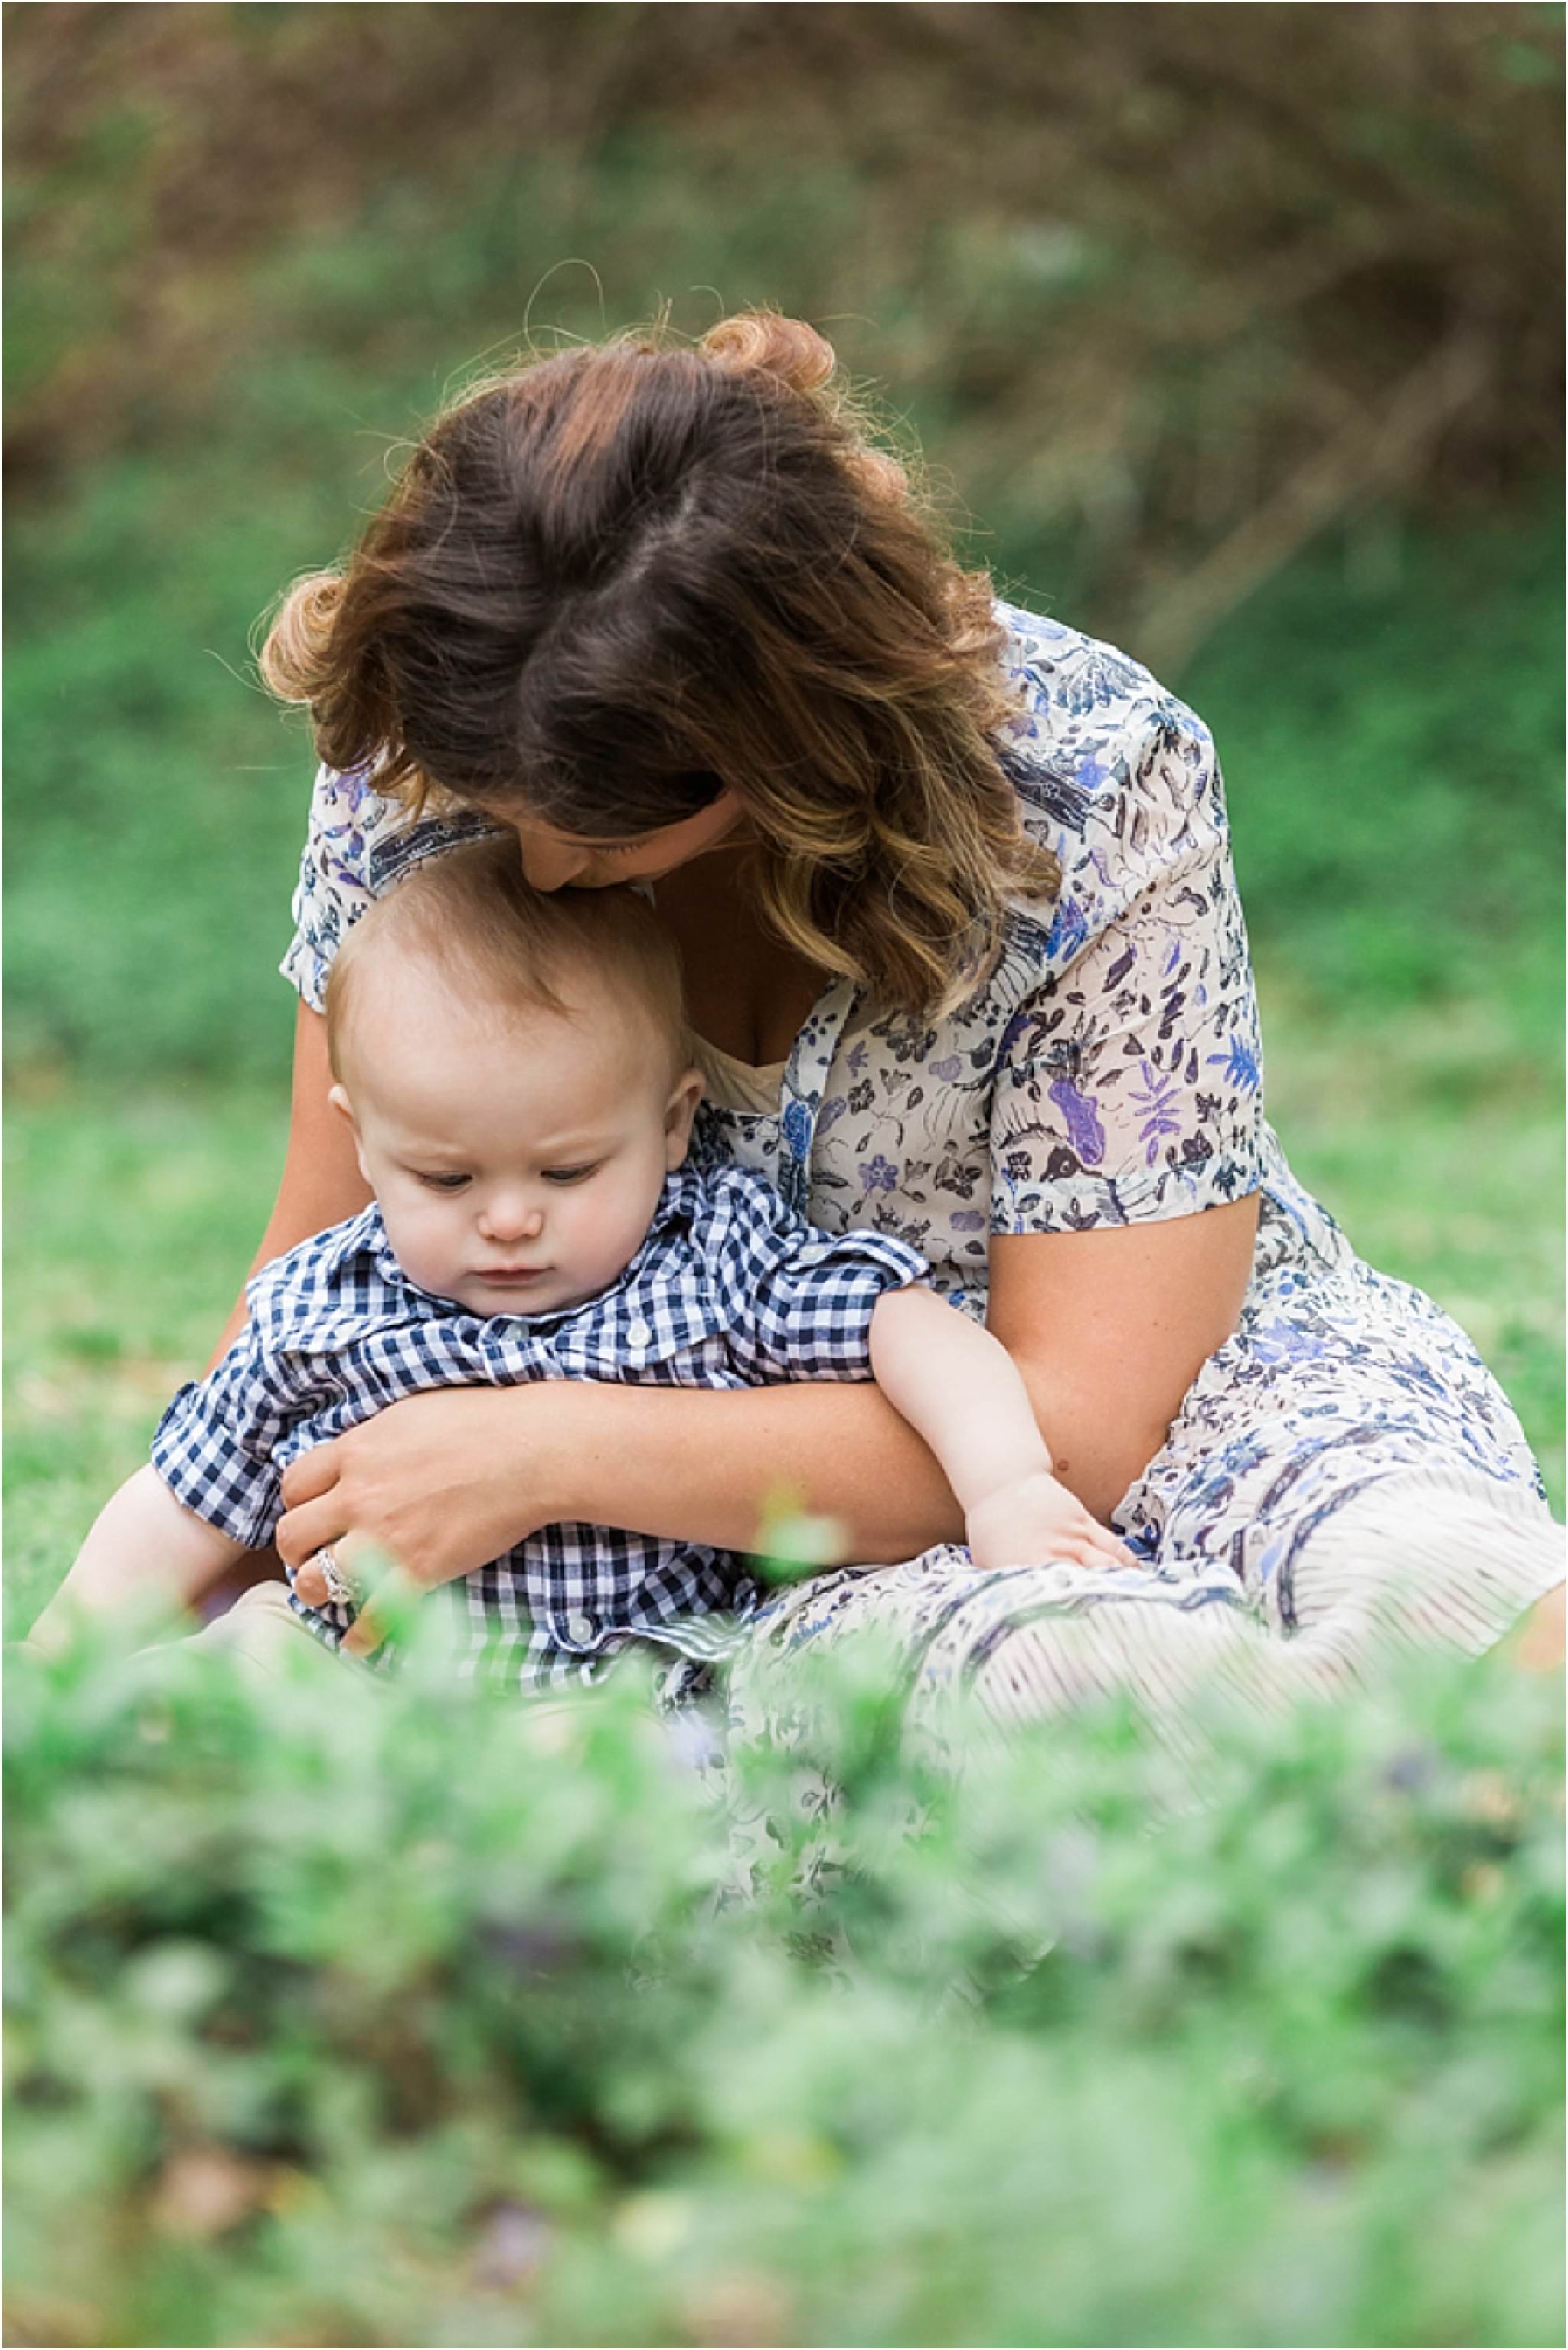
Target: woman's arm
x,y
448,1481
321,1182
1108,1329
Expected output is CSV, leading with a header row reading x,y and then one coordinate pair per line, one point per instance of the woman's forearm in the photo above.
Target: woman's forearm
x,y
701,1465
445,1480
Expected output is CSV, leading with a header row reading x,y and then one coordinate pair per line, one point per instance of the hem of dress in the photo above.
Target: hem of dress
x,y
305,983
1190,1201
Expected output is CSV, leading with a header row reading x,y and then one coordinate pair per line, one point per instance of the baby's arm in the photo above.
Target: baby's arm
x,y
143,1540
959,1387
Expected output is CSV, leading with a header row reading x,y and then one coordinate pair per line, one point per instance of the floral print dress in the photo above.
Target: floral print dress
x,y
1109,1072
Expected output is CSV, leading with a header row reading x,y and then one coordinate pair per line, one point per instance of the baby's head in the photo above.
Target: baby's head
x,y
517,1073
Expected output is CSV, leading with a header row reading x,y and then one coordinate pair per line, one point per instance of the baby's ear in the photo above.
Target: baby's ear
x,y
345,1108
679,1112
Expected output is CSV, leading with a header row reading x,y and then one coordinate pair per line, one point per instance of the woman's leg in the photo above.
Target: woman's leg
x,y
1026,1643
1416,1560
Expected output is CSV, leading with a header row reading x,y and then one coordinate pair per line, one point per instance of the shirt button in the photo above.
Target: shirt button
x,y
638,1333
579,1628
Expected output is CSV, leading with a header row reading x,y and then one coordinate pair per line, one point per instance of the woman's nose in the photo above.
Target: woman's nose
x,y
551,863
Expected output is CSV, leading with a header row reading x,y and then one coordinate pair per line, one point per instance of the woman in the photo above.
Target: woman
x,y
953,891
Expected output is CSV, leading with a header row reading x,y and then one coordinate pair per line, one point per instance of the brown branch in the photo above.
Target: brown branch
x,y
1370,454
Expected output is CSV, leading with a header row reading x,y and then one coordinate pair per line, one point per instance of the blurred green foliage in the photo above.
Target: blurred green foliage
x,y
402,2020
1385,712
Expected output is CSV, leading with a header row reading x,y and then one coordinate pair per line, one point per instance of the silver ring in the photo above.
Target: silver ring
x,y
341,1589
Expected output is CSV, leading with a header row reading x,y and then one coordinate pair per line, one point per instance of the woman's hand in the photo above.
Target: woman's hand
x,y
441,1482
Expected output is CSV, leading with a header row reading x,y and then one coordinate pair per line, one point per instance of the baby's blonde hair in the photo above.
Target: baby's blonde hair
x,y
471,914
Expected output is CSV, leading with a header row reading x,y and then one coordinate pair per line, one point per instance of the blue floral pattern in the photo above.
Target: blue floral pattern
x,y
1107,1072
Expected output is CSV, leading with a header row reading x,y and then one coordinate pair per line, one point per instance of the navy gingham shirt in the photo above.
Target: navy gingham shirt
x,y
729,1289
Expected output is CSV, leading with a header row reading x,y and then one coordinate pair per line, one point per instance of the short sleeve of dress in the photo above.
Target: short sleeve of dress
x,y
1128,1080
214,1447
334,887
359,844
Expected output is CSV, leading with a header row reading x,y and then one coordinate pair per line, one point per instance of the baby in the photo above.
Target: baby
x,y
516,1072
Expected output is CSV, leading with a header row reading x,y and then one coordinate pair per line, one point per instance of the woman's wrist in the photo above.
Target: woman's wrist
x,y
698,1464
543,1450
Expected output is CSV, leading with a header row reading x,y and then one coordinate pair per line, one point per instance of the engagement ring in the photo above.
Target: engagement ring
x,y
341,1589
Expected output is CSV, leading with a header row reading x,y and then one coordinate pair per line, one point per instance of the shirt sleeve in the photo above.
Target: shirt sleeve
x,y
1128,1083
809,1314
214,1446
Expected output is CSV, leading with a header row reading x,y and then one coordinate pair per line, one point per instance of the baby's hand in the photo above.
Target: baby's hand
x,y
1034,1521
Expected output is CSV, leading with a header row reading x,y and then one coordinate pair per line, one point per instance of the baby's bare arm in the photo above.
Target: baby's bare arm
x,y
959,1387
142,1541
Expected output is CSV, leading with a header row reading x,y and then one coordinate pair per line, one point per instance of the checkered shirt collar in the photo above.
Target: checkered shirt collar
x,y
366,1236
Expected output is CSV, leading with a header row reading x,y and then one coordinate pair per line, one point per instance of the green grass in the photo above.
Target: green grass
x,y
1442,1154
1391,738
131,1222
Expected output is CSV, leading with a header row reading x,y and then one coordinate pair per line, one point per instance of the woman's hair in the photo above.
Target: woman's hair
x,y
469,915
624,577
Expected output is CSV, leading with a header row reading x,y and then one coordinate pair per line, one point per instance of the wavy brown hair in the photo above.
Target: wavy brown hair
x,y
623,576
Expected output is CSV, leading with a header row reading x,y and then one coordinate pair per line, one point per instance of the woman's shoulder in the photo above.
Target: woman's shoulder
x,y
1069,680
360,843
366,840
1115,773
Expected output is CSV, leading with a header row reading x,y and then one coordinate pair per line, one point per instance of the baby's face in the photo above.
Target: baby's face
x,y
517,1158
